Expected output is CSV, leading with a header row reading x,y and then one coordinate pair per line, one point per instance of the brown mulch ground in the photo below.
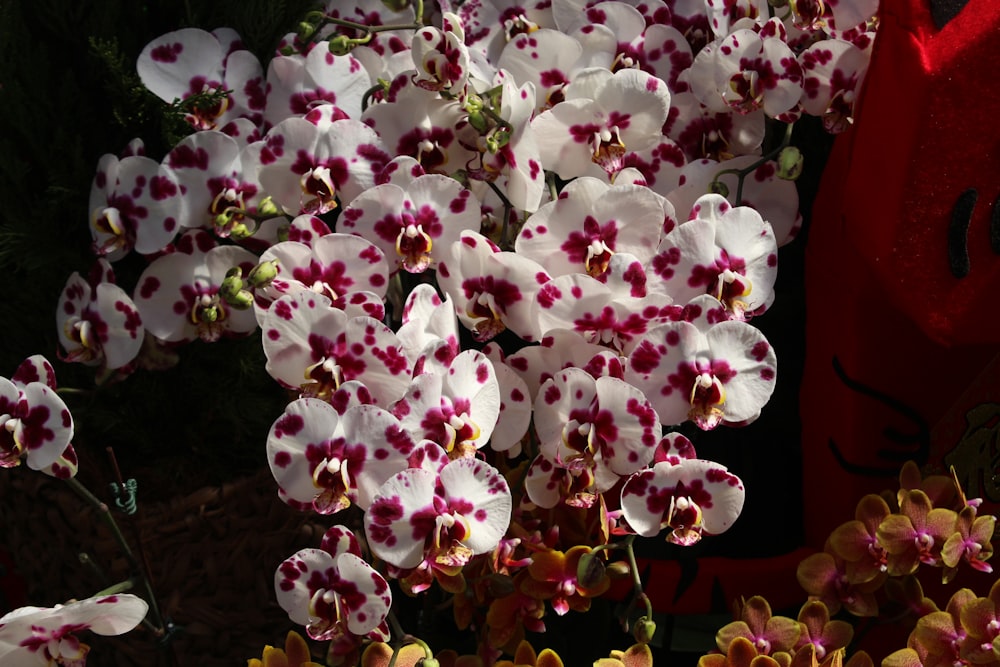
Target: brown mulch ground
x,y
212,553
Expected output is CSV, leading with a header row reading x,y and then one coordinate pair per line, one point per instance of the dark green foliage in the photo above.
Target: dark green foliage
x,y
68,94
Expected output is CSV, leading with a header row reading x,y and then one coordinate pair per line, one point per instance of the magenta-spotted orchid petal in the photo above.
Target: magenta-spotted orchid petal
x,y
517,164
834,70
221,193
673,448
725,15
31,636
603,423
748,71
307,229
515,405
728,252
314,348
691,497
421,124
547,59
319,167
401,170
338,266
489,26
332,594
457,409
373,12
848,14
580,303
722,375
704,133
492,289
98,323
36,368
178,293
35,425
558,350
327,462
604,115
134,203
441,57
590,222
641,41
297,84
430,328
191,61
445,518
774,198
413,226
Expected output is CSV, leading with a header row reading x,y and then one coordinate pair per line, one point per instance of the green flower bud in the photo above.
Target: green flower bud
x,y
242,300
341,45
790,161
590,570
231,284
262,274
497,140
643,630
473,103
223,219
266,207
719,188
305,30
429,662
240,231
618,569
479,120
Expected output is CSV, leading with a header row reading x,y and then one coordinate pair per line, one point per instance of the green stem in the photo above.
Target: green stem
x,y
636,581
550,180
105,513
507,208
120,587
741,174
371,29
89,562
401,639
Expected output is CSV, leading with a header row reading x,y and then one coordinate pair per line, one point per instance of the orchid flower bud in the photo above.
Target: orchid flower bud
x,y
232,283
590,570
497,140
618,569
790,162
266,207
240,231
341,45
223,219
479,121
242,300
644,630
262,274
718,188
305,29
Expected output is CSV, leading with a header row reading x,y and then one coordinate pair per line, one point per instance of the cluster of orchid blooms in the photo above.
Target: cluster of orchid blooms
x,y
869,566
400,185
